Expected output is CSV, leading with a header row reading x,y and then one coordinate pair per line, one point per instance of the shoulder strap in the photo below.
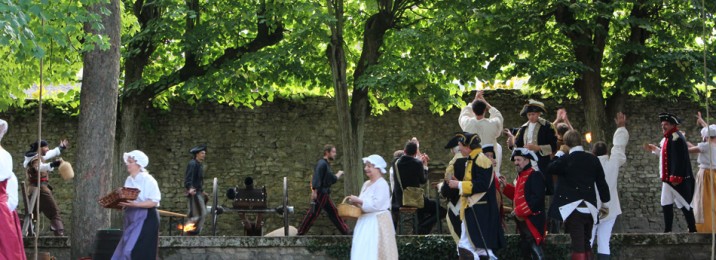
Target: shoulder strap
x,y
397,172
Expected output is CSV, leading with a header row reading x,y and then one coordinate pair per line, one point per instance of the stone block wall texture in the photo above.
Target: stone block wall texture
x,y
285,138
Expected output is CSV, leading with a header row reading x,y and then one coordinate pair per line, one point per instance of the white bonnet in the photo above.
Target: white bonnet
x,y
376,161
139,156
709,131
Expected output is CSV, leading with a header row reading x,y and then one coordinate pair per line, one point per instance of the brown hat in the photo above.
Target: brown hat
x,y
532,106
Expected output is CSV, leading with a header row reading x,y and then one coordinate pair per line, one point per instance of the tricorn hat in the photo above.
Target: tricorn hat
x,y
532,106
669,117
524,152
468,139
455,140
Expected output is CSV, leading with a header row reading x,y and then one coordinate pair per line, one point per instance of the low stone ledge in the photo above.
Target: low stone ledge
x,y
679,246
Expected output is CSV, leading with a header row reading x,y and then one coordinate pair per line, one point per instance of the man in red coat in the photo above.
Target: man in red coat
x,y
527,192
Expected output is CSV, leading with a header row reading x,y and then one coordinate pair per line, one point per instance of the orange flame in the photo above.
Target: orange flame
x,y
588,137
188,227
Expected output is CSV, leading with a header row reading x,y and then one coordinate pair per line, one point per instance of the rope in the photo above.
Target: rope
x,y
39,153
707,95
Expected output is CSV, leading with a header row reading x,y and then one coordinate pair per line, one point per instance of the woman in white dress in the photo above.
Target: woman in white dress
x,y
374,234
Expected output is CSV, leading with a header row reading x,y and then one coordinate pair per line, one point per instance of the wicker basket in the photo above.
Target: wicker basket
x,y
348,211
112,200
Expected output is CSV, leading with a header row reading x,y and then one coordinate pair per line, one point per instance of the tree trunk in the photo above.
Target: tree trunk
x,y
96,131
375,28
590,90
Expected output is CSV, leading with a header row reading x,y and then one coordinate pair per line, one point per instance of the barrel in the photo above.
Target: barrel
x,y
105,242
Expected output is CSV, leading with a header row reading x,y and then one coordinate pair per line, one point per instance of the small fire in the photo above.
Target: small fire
x,y
588,137
187,227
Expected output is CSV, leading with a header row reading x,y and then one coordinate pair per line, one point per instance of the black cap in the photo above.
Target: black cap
x,y
33,146
197,149
668,117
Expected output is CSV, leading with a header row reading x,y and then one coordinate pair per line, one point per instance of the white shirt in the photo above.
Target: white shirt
x,y
611,164
49,155
488,129
147,185
707,155
530,132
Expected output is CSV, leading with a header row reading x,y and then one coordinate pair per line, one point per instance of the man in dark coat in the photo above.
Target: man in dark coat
x,y
575,200
413,172
321,182
538,135
482,232
675,172
456,169
194,186
527,194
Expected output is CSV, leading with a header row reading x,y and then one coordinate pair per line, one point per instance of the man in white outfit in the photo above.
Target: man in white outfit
x,y
611,164
472,120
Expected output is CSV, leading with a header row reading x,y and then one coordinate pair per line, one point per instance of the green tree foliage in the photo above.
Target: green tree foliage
x,y
47,30
598,51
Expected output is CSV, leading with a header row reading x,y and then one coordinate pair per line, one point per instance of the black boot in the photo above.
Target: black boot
x,y
690,221
465,254
668,217
603,257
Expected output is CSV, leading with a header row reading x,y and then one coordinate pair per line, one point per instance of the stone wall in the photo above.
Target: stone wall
x,y
285,138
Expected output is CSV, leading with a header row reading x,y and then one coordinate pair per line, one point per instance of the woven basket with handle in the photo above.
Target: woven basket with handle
x,y
348,211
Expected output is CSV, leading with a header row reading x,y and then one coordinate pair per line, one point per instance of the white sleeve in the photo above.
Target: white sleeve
x,y
496,116
52,154
620,140
467,119
12,196
152,191
703,147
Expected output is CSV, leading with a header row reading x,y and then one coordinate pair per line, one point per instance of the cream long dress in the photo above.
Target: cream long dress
x,y
374,234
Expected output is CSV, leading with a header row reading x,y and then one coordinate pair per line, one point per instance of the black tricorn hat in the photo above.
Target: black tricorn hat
x,y
668,117
532,106
524,152
197,149
468,139
455,140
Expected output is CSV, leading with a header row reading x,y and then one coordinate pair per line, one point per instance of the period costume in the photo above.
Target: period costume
x,y
374,234
412,173
488,129
611,164
527,194
678,182
48,206
194,179
705,182
140,237
482,232
541,133
11,246
455,168
575,201
323,178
